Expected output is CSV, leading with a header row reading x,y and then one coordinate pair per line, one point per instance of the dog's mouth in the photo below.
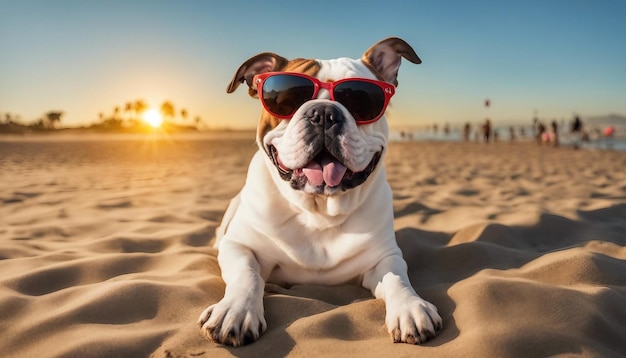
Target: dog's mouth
x,y
324,174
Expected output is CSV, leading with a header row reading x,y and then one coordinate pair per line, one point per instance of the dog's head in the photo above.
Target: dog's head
x,y
323,125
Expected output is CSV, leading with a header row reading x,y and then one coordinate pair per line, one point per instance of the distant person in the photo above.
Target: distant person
x,y
512,134
467,129
608,136
577,132
540,132
486,130
554,134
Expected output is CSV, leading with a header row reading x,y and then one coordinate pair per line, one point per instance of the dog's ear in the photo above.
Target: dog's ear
x,y
263,62
384,58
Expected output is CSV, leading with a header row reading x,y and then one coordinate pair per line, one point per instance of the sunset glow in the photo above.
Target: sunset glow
x,y
153,117
183,58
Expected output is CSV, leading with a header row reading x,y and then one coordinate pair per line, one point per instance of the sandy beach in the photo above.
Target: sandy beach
x,y
105,252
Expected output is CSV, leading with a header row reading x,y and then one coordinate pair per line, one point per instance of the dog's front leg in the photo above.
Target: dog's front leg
x,y
238,318
409,319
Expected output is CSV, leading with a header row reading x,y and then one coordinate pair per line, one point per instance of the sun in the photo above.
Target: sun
x,y
153,118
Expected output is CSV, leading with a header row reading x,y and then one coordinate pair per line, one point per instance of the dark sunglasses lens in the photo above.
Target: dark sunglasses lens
x,y
364,100
284,94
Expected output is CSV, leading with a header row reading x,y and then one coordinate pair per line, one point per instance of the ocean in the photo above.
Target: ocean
x,y
596,139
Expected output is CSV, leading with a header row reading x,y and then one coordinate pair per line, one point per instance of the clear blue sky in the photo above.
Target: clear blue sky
x,y
85,57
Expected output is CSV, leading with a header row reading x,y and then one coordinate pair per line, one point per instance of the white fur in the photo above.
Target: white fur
x,y
274,233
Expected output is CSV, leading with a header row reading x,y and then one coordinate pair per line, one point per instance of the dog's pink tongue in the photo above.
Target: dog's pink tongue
x,y
333,171
329,171
313,172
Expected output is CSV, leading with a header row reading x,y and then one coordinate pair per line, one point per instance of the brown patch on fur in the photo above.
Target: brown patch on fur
x,y
267,122
302,65
368,64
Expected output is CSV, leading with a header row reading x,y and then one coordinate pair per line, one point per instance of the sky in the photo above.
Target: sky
x,y
553,58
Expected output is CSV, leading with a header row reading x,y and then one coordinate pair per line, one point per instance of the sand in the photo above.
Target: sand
x,y
105,252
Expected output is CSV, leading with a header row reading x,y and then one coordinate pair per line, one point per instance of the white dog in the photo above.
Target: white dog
x,y
316,206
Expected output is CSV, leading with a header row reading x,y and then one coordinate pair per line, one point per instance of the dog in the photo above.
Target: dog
x,y
316,207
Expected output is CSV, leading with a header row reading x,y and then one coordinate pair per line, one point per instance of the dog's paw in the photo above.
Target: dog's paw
x,y
412,321
232,322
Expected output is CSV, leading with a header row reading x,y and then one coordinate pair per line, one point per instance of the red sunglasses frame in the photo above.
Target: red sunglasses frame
x,y
388,90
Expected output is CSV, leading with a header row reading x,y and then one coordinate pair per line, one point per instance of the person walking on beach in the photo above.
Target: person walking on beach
x,y
577,131
541,131
466,131
554,134
486,130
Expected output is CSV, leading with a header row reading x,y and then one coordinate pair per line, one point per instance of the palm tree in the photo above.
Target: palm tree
x,y
183,114
54,118
128,107
140,106
167,110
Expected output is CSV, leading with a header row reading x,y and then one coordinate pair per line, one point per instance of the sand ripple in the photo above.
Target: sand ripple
x,y
104,252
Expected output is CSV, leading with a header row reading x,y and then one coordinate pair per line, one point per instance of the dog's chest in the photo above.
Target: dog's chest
x,y
327,256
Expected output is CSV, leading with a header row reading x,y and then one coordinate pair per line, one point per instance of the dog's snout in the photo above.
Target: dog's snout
x,y
324,115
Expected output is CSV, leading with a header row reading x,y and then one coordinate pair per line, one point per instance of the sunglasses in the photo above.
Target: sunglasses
x,y
282,93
